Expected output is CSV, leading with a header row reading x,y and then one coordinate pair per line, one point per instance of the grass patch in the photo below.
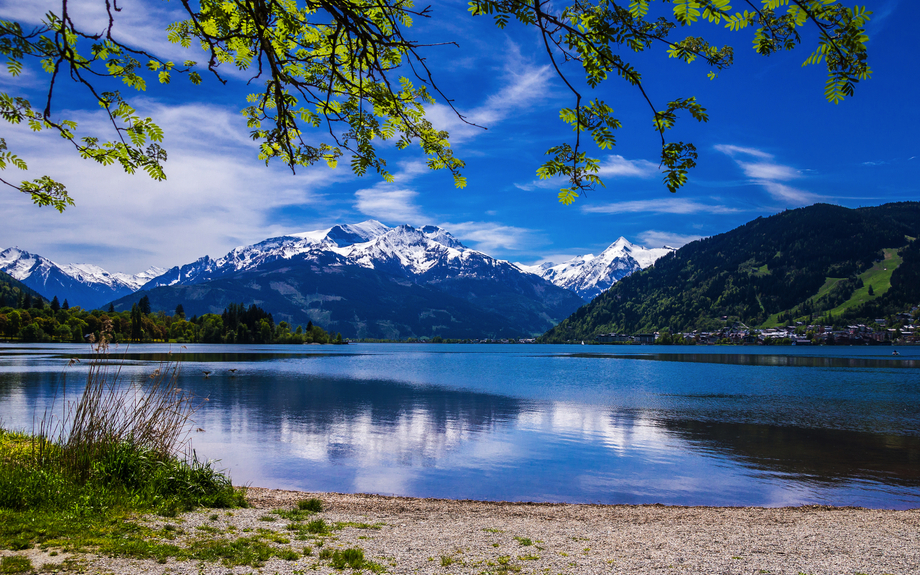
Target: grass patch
x,y
878,277
352,557
315,527
76,483
524,541
313,505
529,557
15,564
341,524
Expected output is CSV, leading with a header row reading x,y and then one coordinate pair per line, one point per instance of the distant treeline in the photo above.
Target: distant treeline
x,y
58,322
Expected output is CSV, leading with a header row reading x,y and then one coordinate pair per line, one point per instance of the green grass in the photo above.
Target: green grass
x,y
313,505
878,277
15,564
77,481
524,541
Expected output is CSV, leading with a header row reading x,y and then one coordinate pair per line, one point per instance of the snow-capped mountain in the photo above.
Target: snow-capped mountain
x,y
404,250
591,275
85,285
370,280
280,248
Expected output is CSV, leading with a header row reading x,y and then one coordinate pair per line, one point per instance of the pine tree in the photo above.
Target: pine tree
x,y
55,304
65,305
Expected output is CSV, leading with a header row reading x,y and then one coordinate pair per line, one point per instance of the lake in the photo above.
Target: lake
x,y
766,426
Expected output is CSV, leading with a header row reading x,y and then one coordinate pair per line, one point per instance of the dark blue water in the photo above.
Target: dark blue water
x,y
610,424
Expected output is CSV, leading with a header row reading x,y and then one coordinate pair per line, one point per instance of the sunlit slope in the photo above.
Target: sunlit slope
x,y
875,283
799,264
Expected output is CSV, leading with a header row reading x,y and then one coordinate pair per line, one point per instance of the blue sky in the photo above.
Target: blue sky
x,y
772,143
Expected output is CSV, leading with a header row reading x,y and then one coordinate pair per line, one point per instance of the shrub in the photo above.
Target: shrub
x,y
313,504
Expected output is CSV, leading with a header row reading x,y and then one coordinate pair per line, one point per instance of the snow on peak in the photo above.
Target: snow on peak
x,y
589,275
21,264
346,234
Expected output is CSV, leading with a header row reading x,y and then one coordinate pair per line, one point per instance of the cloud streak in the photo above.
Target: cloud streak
x,y
525,85
664,206
489,236
655,238
769,175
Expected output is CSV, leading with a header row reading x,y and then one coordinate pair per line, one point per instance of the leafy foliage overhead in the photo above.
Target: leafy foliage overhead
x,y
769,266
347,68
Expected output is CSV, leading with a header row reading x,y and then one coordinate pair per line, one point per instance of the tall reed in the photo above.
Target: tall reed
x,y
121,443
151,415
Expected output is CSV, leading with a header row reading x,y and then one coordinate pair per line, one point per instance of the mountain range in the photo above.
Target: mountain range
x,y
811,264
86,285
365,280
369,281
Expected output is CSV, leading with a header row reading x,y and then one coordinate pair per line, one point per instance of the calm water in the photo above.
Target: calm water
x,y
673,425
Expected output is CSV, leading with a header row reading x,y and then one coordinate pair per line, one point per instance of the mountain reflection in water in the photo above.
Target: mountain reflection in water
x,y
492,422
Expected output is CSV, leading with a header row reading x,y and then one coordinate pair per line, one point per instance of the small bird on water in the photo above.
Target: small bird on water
x,y
207,374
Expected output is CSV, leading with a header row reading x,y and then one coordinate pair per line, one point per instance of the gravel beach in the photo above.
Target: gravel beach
x,y
405,535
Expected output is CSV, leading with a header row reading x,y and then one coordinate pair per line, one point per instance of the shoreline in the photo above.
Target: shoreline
x,y
403,535
597,538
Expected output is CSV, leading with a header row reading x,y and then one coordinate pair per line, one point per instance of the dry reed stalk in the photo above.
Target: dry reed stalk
x,y
152,415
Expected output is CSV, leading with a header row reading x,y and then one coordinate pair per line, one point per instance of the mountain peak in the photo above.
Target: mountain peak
x,y
589,275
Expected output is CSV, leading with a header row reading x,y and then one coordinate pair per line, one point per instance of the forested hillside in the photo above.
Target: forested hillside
x,y
13,293
822,263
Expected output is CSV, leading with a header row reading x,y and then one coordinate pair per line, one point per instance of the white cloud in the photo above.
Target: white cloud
x,y
140,25
766,171
525,85
490,236
732,151
618,166
389,204
655,238
769,174
218,194
662,206
791,195
394,202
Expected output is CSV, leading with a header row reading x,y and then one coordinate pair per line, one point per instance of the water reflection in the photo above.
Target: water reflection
x,y
764,359
803,454
695,432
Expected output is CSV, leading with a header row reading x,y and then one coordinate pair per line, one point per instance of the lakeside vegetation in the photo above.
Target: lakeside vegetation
x,y
35,320
91,465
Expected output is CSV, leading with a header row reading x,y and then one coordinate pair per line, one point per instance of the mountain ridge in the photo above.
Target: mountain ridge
x,y
780,267
453,286
85,285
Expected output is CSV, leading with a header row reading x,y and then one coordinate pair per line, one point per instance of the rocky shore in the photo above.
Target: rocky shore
x,y
405,535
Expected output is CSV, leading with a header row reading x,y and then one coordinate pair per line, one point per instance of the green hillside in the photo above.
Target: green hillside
x,y
12,291
816,263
